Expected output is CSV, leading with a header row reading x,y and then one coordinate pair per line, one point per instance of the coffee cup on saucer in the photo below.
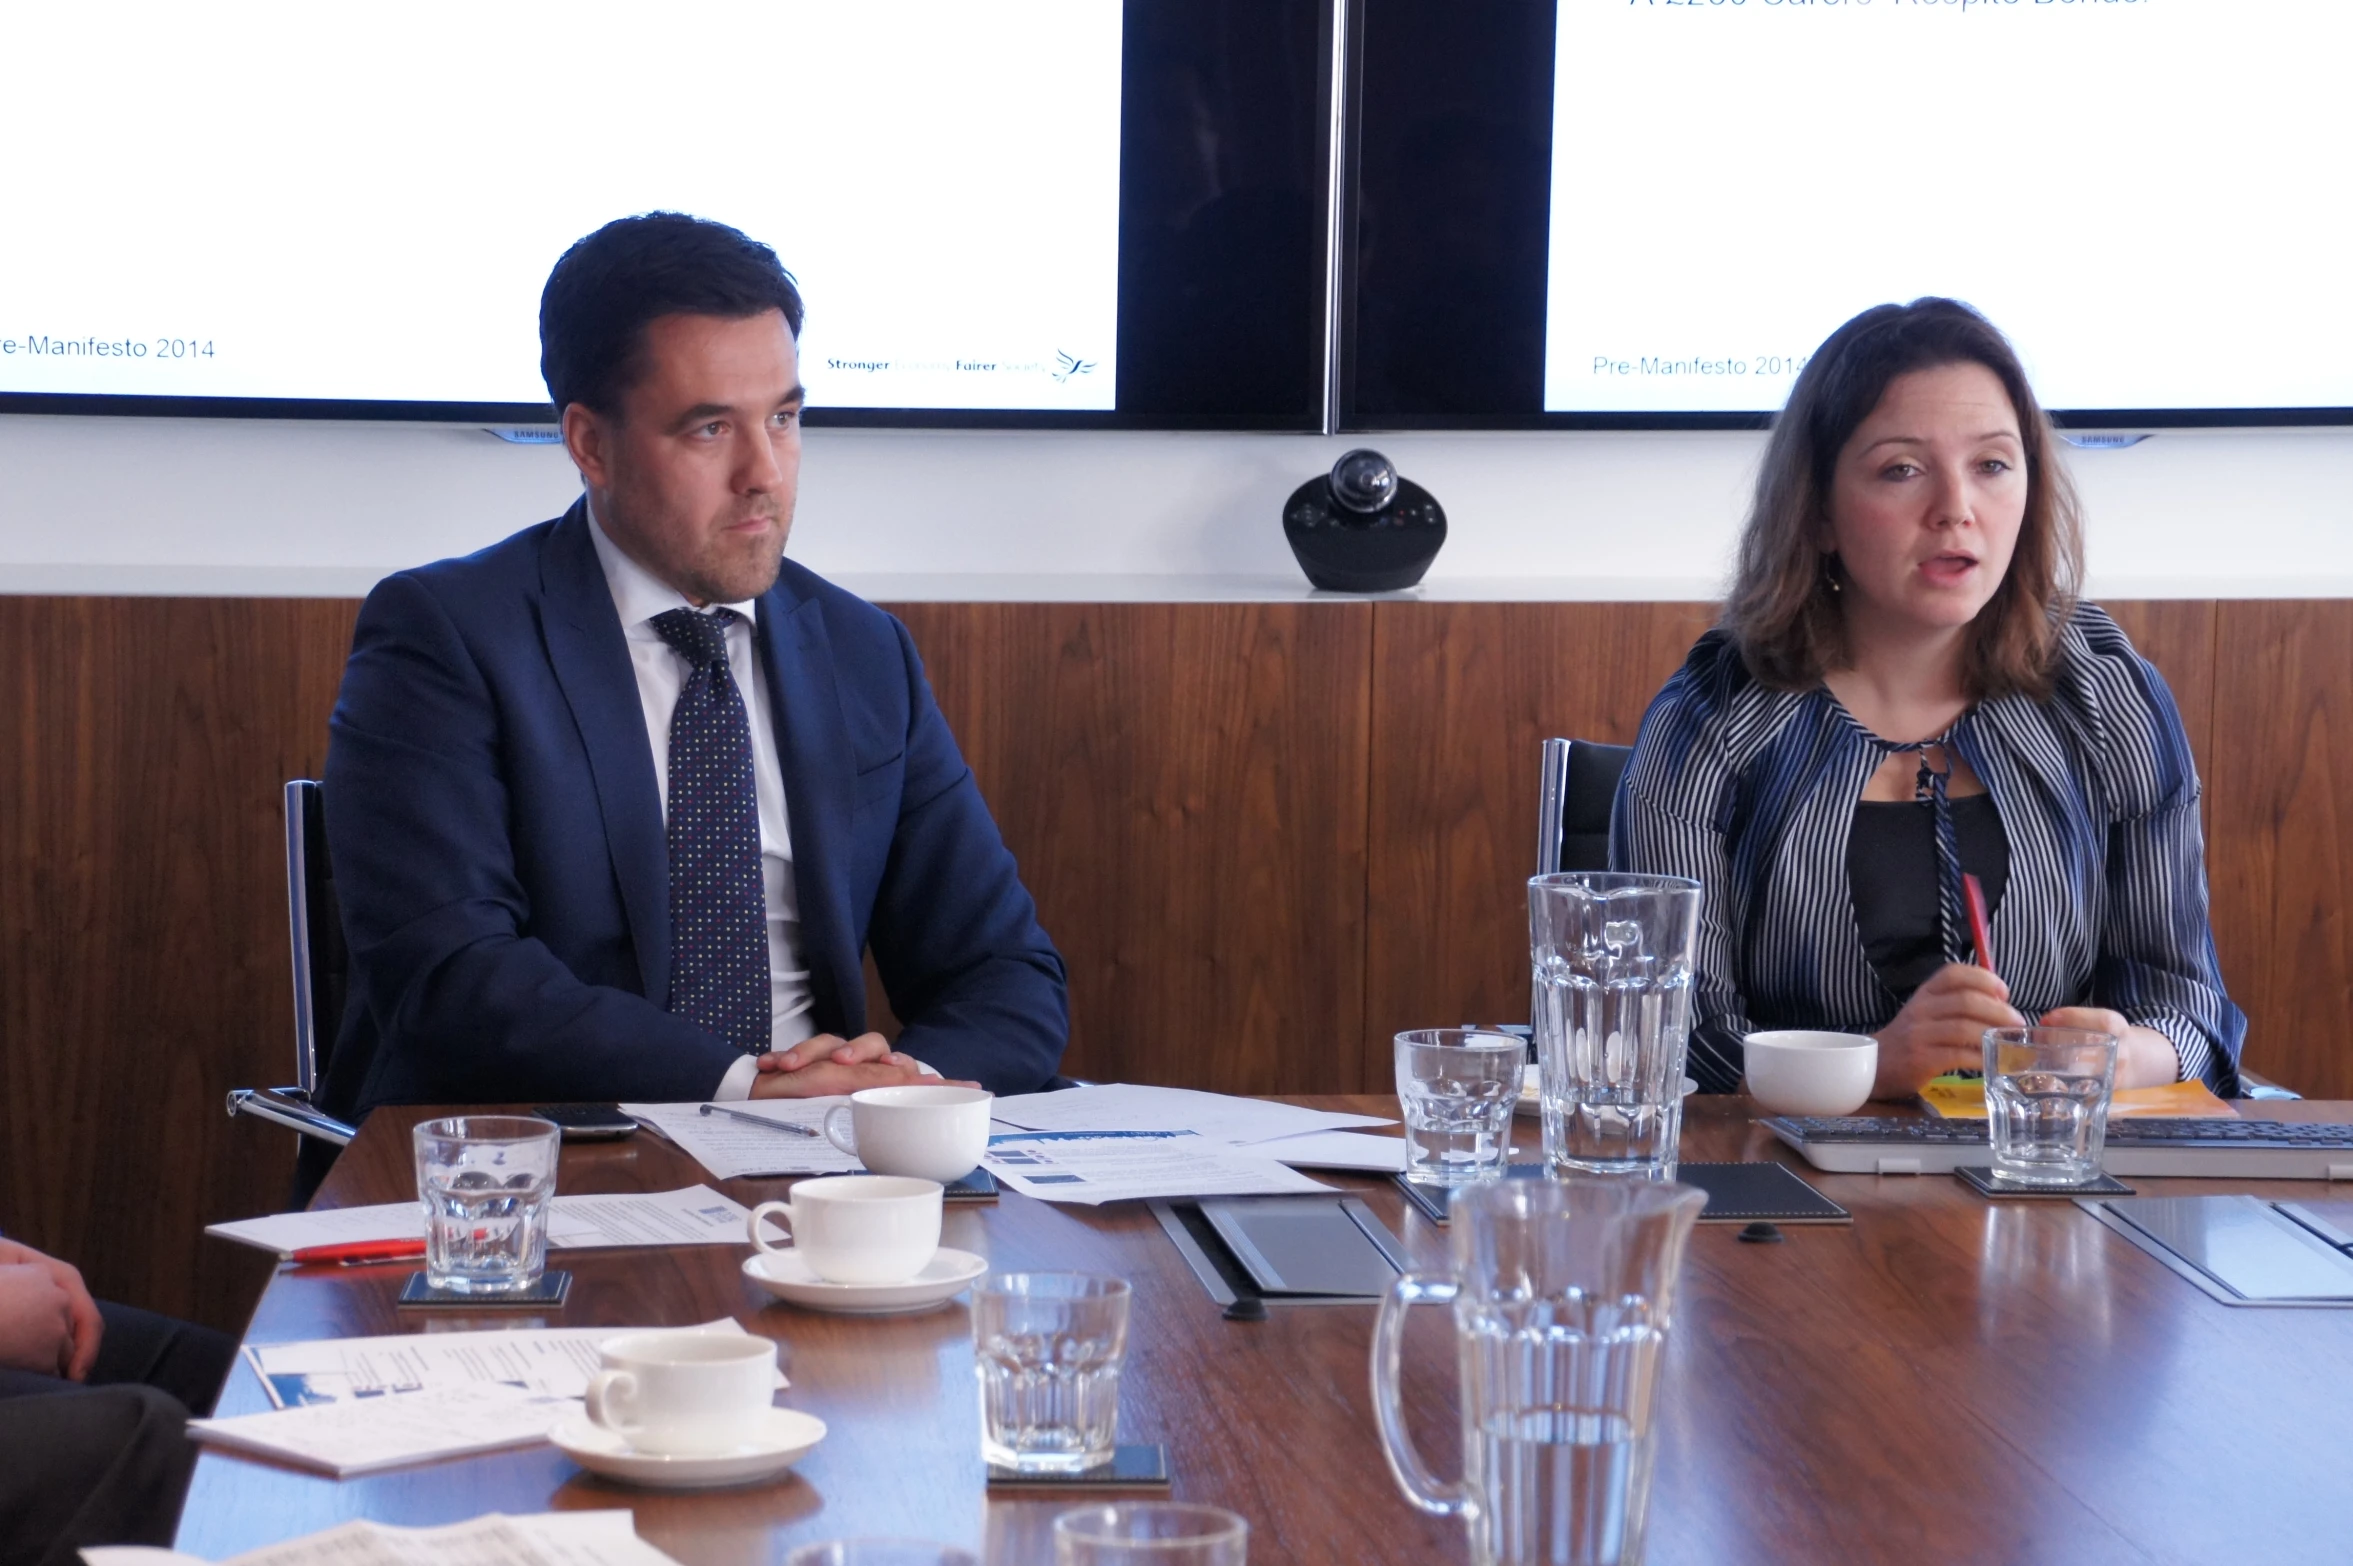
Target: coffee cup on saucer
x,y
932,1132
683,1394
1797,1072
858,1228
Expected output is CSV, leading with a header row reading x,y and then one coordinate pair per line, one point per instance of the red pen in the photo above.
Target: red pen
x,y
358,1252
1980,934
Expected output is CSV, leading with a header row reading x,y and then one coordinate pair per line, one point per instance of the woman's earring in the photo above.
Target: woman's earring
x,y
1830,573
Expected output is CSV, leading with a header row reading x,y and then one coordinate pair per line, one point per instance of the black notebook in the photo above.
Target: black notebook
x,y
1737,1193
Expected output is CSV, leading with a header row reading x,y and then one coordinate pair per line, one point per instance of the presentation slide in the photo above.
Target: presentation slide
x,y
2148,196
360,201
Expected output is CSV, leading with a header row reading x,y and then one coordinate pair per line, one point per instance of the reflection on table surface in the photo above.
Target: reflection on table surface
x,y
1945,1379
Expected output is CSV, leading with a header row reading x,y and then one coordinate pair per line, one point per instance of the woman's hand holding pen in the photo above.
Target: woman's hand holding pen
x,y
1942,1028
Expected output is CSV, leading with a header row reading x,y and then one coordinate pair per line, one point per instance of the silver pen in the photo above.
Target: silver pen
x,y
759,1120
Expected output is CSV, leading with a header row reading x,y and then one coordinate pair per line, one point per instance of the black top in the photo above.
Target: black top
x,y
1891,865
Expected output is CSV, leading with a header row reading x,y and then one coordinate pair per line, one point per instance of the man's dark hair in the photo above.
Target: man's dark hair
x,y
609,286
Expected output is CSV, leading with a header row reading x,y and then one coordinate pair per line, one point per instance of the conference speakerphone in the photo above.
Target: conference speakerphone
x,y
2210,1149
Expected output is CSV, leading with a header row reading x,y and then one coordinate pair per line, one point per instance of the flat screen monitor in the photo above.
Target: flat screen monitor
x,y
1648,213
350,212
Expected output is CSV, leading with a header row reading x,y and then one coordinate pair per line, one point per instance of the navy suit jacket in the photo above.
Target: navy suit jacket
x,y
498,845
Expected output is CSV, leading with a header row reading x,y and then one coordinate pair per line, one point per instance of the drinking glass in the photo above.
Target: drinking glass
x,y
1612,964
1563,1292
1151,1533
1048,1347
1458,1088
880,1552
2046,1102
485,1182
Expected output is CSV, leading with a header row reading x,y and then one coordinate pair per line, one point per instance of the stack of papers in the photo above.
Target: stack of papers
x,y
354,1436
1093,1167
349,1406
1127,1106
694,1215
1116,1142
733,1149
546,1539
546,1361
1126,1142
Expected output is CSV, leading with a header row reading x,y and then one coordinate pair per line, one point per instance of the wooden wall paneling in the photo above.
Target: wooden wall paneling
x,y
2281,848
143,953
1184,786
1464,695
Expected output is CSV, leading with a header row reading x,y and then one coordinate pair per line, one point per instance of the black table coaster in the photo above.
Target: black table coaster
x,y
1981,1179
553,1285
978,1186
1141,1466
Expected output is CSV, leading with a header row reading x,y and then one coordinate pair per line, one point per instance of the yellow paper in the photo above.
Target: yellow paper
x,y
1963,1098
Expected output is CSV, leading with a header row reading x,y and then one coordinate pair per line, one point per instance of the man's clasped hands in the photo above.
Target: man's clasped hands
x,y
829,1064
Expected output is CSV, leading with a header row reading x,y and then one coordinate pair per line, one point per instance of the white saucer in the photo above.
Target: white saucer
x,y
1532,1095
785,1275
786,1439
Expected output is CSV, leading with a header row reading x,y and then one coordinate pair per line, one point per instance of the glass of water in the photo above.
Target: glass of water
x,y
1151,1533
485,1182
2046,1102
1612,961
1048,1346
1457,1088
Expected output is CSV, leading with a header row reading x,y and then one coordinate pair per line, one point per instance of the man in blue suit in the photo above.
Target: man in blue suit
x,y
617,805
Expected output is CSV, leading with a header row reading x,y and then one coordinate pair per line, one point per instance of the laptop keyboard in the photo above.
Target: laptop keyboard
x,y
1924,1131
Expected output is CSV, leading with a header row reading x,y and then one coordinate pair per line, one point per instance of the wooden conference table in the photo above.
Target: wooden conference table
x,y
1946,1380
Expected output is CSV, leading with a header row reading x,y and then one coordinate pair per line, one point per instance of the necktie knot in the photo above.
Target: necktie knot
x,y
701,639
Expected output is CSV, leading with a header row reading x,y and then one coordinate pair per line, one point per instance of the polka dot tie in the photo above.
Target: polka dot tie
x,y
718,911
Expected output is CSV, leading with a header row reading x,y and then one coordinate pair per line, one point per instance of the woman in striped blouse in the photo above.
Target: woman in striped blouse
x,y
1903,688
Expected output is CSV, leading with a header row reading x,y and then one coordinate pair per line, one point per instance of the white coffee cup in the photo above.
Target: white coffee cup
x,y
683,1393
933,1133
858,1228
1796,1072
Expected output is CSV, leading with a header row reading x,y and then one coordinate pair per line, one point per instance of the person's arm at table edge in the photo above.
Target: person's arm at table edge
x,y
1662,823
980,991
2157,968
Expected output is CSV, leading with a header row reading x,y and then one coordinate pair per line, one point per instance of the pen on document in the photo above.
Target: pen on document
x,y
757,1120
1980,935
359,1252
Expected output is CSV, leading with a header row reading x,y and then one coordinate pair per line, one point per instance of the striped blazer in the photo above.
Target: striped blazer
x,y
1752,793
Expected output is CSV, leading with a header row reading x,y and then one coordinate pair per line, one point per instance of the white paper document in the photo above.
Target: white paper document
x,y
733,1149
603,1538
1093,1167
1337,1150
692,1215
550,1361
363,1435
1127,1106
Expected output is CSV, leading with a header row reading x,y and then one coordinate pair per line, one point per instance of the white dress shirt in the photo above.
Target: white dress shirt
x,y
639,596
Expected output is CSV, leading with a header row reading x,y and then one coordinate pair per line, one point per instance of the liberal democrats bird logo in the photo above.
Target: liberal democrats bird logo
x,y
1068,365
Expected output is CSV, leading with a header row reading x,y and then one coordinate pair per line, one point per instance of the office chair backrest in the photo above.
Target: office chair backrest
x,y
1580,780
315,921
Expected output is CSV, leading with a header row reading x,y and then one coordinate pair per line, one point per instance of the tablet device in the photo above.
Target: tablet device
x,y
588,1122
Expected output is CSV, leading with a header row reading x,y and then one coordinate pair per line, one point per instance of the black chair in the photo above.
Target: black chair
x,y
1573,805
321,969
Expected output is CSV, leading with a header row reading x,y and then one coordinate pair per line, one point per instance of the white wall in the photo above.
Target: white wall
x,y
288,509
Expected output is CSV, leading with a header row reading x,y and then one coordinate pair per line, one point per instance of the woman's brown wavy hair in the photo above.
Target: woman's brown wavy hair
x,y
1782,612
